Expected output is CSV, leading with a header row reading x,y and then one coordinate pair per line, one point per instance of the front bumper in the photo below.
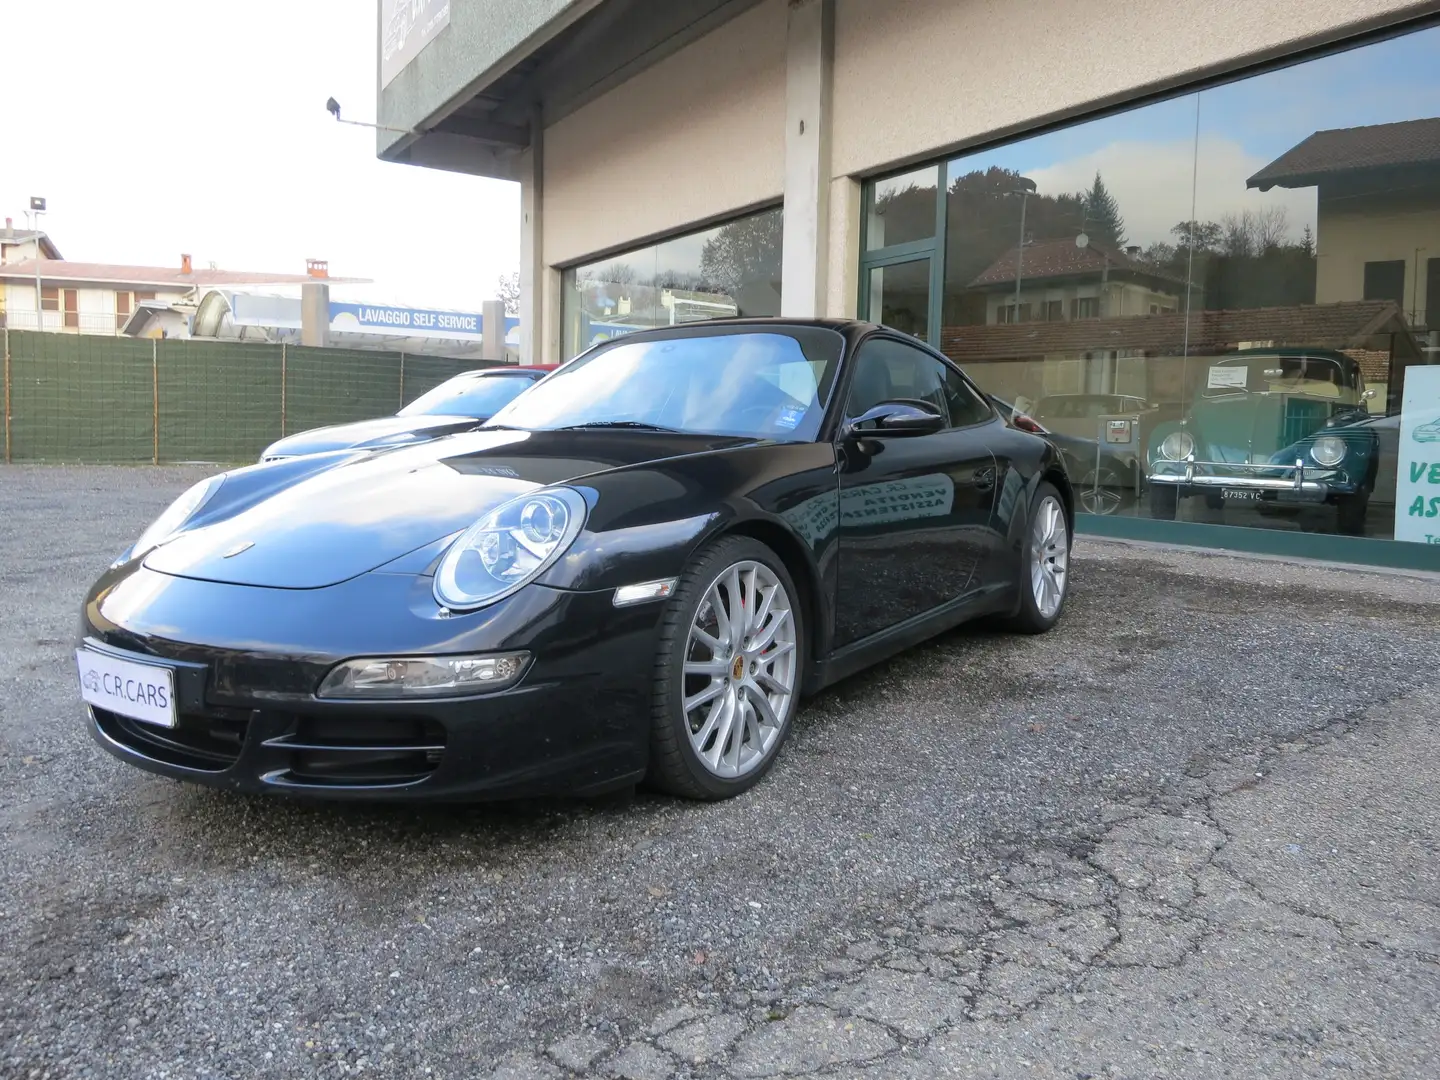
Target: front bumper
x,y
248,719
1310,483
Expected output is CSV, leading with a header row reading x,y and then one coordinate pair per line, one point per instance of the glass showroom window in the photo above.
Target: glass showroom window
x,y
731,269
1225,306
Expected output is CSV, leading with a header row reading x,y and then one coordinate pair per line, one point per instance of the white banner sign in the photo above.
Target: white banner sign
x,y
406,27
1417,480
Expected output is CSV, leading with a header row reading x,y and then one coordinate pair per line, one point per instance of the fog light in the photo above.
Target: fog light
x,y
1328,450
423,676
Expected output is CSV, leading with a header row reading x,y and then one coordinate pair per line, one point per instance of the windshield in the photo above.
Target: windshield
x,y
1317,376
762,384
479,396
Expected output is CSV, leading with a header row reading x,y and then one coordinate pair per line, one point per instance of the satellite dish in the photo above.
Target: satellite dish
x,y
1082,241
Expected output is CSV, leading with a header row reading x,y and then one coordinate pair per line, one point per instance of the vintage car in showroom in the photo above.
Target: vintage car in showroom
x,y
632,572
1276,429
459,403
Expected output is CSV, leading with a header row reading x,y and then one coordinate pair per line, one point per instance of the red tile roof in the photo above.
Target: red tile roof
x,y
1335,326
1061,258
1325,153
165,277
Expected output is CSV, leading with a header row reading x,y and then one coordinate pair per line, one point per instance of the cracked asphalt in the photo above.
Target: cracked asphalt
x,y
1191,833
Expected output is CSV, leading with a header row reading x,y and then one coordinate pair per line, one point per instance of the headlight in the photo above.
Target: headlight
x,y
508,547
179,512
1328,450
1177,446
423,676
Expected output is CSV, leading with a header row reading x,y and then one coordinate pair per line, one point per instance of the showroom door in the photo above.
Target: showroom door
x,y
897,294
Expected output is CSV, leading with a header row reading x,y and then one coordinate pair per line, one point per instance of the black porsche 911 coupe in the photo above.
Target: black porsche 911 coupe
x,y
632,573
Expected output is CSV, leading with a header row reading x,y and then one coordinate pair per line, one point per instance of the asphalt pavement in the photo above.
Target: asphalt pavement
x,y
1190,833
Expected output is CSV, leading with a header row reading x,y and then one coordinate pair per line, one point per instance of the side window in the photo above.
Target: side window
x,y
966,406
887,370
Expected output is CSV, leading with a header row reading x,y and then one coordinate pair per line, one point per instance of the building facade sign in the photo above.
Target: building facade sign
x,y
406,27
409,322
1417,481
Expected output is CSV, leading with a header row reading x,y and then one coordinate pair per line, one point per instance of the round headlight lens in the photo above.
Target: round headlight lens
x,y
1177,446
1328,450
178,512
508,547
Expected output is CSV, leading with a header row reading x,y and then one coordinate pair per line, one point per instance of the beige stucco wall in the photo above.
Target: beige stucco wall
x,y
918,77
697,136
1345,242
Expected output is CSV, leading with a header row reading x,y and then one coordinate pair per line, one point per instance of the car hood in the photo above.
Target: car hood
x,y
386,430
1251,428
344,521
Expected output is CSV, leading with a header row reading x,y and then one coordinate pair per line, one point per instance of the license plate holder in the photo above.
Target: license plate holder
x,y
136,689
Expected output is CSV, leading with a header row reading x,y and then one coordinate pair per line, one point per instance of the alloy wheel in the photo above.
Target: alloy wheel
x,y
1049,556
740,669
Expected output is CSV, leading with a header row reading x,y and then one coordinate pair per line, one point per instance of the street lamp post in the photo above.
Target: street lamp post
x,y
1024,187
37,207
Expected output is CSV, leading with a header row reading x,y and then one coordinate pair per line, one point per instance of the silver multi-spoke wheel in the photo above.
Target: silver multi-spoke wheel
x,y
1101,492
740,669
1049,555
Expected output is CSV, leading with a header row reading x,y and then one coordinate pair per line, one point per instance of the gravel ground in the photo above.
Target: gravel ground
x,y
1192,832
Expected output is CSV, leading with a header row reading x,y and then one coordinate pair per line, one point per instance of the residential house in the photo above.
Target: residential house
x,y
1378,212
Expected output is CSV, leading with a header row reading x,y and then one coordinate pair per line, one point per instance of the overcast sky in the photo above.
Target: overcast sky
x,y
197,126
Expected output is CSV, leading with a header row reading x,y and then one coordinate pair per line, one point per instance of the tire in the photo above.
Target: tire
x,y
1350,514
1164,502
1046,520
686,667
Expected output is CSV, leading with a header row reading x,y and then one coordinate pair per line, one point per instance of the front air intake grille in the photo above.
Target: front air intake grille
x,y
210,741
371,752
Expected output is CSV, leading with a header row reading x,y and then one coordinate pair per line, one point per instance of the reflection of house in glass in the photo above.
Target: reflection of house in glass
x,y
1378,194
1160,357
1061,280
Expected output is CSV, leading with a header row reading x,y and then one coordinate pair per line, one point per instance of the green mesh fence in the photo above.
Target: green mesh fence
x,y
219,401
78,398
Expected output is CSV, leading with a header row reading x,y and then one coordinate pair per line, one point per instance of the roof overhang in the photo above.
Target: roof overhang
x,y
469,98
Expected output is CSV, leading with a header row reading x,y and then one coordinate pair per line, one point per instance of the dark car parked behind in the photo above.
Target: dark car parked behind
x,y
458,404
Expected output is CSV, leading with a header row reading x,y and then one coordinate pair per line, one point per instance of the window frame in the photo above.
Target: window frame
x,y
569,269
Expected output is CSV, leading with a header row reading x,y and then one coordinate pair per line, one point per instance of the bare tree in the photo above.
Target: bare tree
x,y
508,292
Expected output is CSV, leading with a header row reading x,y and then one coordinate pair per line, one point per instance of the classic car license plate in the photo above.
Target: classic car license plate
x,y
140,691
1241,494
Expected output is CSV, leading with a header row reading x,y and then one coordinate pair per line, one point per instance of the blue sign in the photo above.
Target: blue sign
x,y
408,322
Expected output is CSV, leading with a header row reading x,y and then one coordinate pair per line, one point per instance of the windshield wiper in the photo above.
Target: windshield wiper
x,y
637,425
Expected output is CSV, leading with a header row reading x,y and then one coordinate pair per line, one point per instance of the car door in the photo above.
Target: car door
x,y
915,510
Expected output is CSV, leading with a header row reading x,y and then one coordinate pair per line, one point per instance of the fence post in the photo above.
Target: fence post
x,y
402,380
7,395
282,389
154,402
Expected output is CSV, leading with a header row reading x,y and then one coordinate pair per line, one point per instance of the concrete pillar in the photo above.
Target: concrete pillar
x,y
492,342
533,313
315,313
809,64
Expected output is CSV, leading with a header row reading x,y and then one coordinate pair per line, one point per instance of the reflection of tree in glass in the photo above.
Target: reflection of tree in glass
x,y
1241,261
1103,223
741,252
984,221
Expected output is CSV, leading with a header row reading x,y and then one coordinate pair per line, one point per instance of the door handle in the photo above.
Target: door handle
x,y
985,478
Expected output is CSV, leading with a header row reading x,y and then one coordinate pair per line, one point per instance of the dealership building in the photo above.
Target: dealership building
x,y
1197,242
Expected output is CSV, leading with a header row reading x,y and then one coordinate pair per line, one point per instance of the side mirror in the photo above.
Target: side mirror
x,y
896,418
1367,395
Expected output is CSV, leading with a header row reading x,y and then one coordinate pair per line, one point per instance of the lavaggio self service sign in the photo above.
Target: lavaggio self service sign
x,y
1417,481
